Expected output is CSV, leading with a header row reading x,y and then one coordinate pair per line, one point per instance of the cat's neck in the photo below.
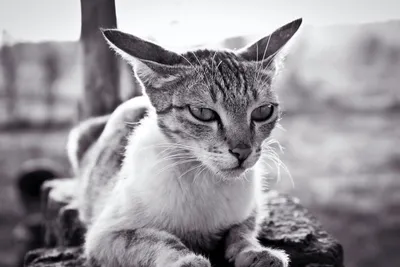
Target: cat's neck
x,y
178,196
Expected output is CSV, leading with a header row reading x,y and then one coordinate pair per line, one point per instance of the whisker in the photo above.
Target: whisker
x,y
218,64
269,154
215,69
184,150
200,66
199,173
245,178
214,156
280,127
212,59
260,67
132,123
191,169
168,145
266,48
174,165
272,57
187,61
172,157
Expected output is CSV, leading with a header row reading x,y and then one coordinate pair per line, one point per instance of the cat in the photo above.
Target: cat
x,y
190,172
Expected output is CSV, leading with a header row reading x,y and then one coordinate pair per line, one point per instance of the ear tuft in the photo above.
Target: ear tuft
x,y
267,47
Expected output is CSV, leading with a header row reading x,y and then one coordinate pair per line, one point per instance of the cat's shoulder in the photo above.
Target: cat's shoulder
x,y
88,132
128,114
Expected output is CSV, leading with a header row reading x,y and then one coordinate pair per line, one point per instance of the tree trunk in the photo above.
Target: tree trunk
x,y
101,67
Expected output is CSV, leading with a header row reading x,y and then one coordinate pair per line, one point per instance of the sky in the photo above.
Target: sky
x,y
188,22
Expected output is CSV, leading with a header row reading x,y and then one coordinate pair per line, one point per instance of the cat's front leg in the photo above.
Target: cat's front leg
x,y
243,249
140,247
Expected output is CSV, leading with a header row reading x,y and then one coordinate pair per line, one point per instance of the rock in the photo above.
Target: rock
x,y
62,224
57,257
291,227
288,226
32,175
28,235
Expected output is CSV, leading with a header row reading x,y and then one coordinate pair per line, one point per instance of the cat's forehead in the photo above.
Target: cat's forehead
x,y
232,81
211,59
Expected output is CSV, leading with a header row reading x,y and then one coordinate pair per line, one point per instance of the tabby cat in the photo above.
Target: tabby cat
x,y
190,176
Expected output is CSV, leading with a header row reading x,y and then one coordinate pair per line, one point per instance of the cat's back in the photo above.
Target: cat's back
x,y
98,167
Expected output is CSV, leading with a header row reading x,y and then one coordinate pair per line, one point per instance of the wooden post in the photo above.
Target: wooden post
x,y
101,66
7,57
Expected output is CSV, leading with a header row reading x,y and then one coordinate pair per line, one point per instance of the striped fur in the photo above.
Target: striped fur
x,y
164,189
82,137
243,248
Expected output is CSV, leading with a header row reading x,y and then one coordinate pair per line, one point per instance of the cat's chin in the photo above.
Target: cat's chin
x,y
233,173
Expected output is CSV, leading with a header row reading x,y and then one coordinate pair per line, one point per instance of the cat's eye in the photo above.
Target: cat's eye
x,y
263,113
203,114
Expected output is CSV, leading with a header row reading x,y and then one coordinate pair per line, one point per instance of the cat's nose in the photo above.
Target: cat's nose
x,y
241,152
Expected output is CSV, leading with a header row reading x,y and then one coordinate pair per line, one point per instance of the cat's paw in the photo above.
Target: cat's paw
x,y
262,257
192,261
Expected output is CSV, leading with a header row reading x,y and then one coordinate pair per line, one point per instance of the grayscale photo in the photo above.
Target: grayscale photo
x,y
199,133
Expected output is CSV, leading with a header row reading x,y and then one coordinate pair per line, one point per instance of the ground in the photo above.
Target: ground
x,y
345,168
16,147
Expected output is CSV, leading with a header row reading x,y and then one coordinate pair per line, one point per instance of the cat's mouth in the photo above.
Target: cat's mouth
x,y
238,167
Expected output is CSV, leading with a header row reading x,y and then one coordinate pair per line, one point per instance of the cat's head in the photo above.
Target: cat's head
x,y
221,104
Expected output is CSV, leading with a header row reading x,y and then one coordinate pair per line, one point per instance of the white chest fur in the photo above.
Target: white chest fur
x,y
151,195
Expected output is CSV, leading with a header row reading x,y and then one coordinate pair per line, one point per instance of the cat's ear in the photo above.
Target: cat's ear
x,y
154,65
266,48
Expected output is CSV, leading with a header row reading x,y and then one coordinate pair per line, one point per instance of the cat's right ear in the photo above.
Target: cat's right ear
x,y
154,65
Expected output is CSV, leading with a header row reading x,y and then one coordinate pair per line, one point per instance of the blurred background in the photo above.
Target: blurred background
x,y
340,90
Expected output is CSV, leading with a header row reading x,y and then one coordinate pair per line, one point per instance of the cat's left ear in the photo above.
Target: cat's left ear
x,y
266,48
154,65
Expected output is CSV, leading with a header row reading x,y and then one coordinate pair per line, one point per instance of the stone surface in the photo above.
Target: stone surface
x,y
291,227
288,226
57,257
62,225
